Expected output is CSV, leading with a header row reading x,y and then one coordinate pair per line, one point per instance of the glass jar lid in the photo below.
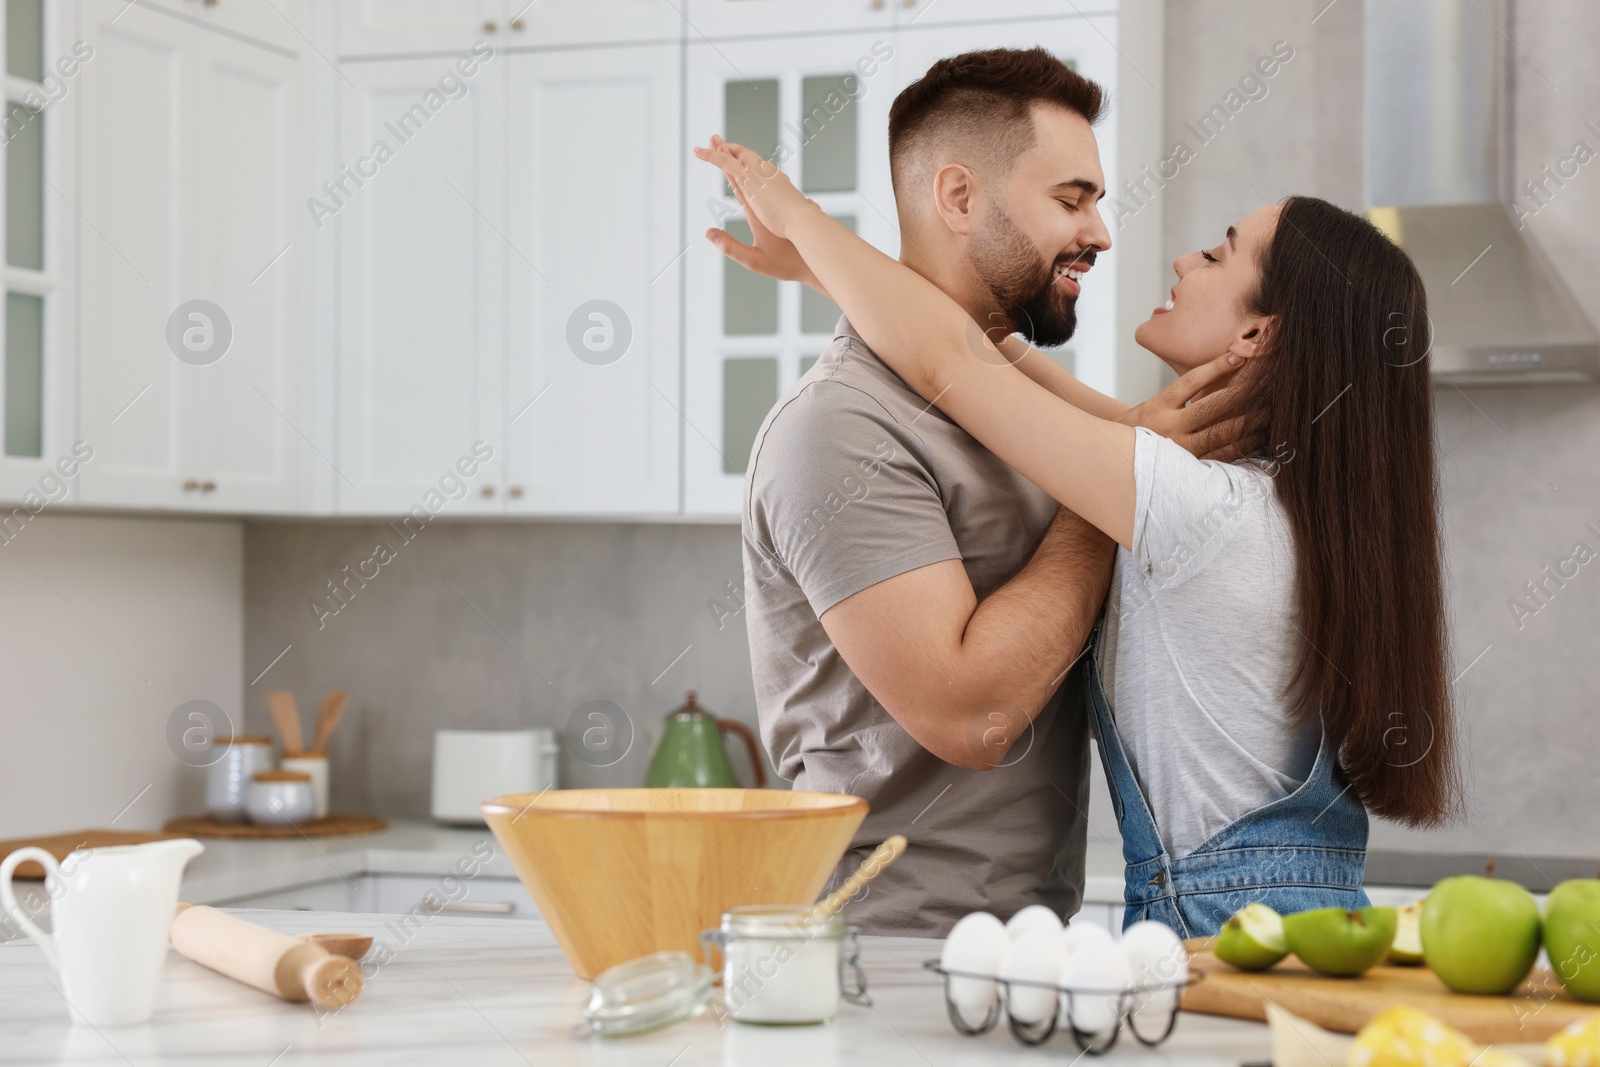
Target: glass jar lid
x,y
651,991
779,922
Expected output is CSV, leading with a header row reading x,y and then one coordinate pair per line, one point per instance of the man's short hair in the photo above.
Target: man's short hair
x,y
980,104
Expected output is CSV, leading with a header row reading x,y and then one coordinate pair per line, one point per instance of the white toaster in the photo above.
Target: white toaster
x,y
471,766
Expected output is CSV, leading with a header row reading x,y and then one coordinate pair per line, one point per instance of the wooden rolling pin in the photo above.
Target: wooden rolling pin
x,y
287,967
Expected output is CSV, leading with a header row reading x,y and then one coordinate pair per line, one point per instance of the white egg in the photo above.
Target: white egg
x,y
1032,959
1035,919
1082,933
974,945
1099,970
1158,959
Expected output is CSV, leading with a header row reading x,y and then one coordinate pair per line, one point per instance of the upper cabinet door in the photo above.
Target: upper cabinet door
x,y
284,23
594,265
573,22
418,210
37,395
819,106
135,186
739,18
410,27
250,444
946,12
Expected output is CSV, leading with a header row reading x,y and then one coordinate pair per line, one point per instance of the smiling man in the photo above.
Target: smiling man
x,y
914,604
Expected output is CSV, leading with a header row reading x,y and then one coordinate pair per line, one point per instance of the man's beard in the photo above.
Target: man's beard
x,y
1022,284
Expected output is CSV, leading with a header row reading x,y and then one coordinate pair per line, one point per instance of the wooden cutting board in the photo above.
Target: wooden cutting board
x,y
335,825
1531,1013
61,844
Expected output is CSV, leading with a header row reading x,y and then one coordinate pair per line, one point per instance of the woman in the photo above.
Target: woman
x,y
1271,665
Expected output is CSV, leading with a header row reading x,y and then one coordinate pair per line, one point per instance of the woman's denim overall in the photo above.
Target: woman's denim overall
x,y
1307,850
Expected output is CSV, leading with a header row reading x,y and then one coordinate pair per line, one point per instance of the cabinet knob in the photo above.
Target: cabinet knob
x,y
190,485
487,490
517,24
208,487
491,26
877,5
515,491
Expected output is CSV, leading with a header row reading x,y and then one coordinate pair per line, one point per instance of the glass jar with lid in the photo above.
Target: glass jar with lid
x,y
786,964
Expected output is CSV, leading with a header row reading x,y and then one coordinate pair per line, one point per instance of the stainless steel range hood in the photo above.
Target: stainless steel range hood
x,y
1438,102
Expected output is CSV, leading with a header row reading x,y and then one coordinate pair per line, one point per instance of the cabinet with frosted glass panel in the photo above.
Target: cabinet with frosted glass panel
x,y
819,107
36,423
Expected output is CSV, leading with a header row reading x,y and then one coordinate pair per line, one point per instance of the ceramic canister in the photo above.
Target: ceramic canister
x,y
315,765
228,779
281,798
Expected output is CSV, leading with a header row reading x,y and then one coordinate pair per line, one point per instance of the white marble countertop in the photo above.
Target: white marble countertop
x,y
231,868
494,991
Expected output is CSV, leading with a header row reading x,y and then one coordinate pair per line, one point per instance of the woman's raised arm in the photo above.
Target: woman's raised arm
x,y
1084,461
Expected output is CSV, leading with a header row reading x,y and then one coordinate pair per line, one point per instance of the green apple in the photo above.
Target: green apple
x,y
1338,942
1480,935
1252,940
1407,948
1572,936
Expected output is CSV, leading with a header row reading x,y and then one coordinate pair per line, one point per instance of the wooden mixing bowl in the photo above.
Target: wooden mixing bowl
x,y
618,873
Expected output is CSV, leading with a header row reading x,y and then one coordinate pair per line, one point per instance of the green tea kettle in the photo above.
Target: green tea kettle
x,y
690,752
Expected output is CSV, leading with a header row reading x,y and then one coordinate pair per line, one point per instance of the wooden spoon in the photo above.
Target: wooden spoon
x,y
333,706
287,717
870,868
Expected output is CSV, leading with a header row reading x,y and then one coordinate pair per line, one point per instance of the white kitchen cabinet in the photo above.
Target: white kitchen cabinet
x,y
923,13
742,18
400,27
594,261
496,288
396,894
189,189
820,107
561,23
418,210
747,338
37,326
247,429
280,23
338,894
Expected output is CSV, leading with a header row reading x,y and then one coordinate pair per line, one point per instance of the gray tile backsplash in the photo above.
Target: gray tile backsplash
x,y
491,624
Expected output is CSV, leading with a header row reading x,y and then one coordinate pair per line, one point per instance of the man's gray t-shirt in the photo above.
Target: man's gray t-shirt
x,y
854,479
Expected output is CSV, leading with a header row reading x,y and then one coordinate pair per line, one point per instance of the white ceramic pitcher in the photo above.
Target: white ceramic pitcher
x,y
110,908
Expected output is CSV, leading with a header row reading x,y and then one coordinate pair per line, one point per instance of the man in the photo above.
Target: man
x,y
913,604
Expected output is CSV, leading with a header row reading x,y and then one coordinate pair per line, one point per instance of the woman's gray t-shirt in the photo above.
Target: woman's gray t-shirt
x,y
1200,640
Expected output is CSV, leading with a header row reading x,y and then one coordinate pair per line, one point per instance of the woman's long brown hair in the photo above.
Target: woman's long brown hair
x,y
1343,404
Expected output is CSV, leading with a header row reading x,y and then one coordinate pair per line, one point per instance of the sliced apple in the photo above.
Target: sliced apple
x,y
1407,948
1252,940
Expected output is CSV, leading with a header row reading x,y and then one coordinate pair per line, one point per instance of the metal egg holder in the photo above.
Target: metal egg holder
x,y
1095,1043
